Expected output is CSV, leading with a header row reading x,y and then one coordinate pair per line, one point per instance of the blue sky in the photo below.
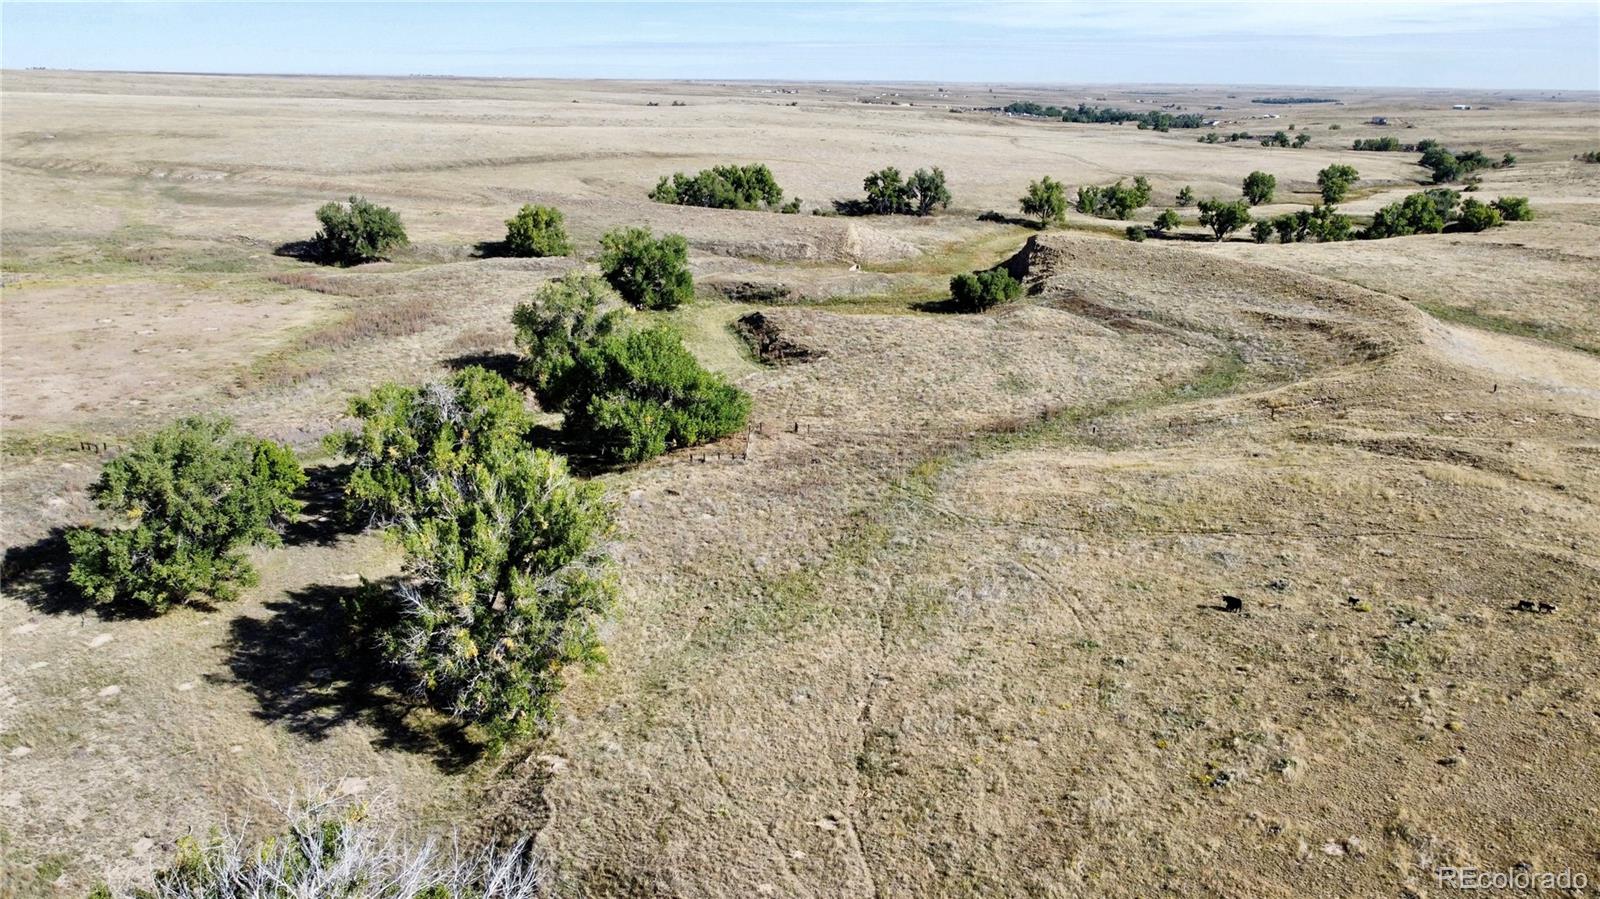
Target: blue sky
x,y
1443,43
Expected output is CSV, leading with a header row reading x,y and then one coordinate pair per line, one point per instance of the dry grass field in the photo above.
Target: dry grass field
x,y
948,620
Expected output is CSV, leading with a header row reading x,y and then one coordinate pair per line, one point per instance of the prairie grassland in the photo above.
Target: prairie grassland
x,y
948,620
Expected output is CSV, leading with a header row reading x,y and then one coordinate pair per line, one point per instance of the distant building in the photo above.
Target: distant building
x,y
1377,120
1461,106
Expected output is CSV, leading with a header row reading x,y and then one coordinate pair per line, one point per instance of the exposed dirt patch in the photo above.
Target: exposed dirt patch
x,y
770,343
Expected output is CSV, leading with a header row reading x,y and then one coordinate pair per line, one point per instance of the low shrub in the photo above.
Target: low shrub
x,y
537,231
1447,166
649,272
1514,209
196,494
507,579
507,569
357,232
331,850
978,291
1477,216
1134,233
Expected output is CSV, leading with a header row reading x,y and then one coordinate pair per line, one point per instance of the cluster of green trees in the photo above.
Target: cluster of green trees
x,y
1156,120
1590,156
1115,201
1211,137
725,187
890,193
1430,211
1322,222
1447,166
508,569
630,394
1030,108
650,272
1083,113
1281,139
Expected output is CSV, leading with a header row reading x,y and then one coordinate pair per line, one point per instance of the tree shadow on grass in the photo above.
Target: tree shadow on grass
x,y
1003,219
36,573
323,520
946,306
491,249
303,250
307,673
506,365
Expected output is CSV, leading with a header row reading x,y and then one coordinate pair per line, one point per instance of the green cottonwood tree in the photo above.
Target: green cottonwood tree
x,y
1335,181
1223,217
1258,188
1047,200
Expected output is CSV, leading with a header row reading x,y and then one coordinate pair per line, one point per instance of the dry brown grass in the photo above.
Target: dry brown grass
x,y
945,622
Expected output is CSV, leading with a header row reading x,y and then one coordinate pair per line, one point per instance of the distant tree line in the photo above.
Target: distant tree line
x,y
1158,120
1383,145
1285,101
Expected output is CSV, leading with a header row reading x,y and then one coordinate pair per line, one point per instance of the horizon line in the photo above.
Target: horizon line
x,y
717,80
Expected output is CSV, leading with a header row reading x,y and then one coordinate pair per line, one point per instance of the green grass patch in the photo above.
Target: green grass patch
x,y
984,251
1549,333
